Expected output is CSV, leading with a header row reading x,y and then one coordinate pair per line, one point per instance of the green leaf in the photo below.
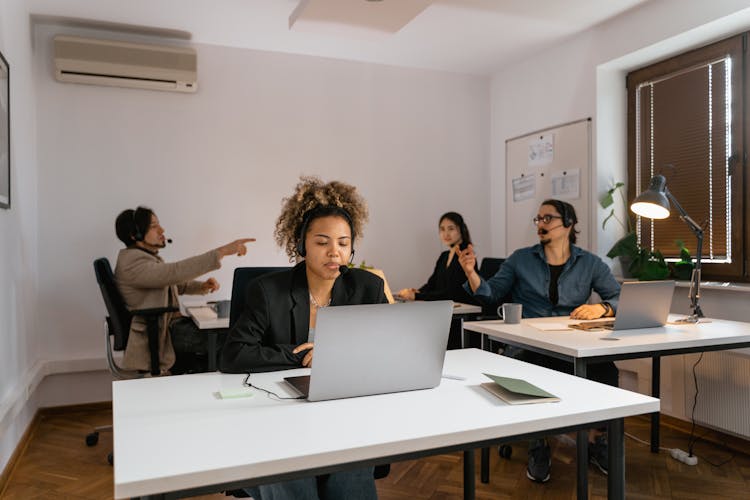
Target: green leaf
x,y
626,246
607,199
611,214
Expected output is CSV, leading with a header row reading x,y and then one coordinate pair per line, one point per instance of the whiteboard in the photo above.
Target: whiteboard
x,y
549,163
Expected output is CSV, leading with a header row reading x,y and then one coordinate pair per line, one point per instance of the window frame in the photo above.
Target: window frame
x,y
736,47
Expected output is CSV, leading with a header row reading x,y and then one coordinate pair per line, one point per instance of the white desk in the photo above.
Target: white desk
x,y
583,348
461,308
171,434
205,319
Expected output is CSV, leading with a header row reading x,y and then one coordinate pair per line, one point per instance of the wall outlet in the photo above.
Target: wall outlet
x,y
683,456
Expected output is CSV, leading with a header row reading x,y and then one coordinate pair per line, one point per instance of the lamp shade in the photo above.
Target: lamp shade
x,y
653,203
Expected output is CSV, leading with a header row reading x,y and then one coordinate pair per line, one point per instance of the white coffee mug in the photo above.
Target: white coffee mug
x,y
510,312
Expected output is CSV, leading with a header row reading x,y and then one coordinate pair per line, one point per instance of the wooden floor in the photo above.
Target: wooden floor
x,y
56,464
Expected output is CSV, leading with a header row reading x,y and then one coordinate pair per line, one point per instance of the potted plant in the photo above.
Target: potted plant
x,y
635,261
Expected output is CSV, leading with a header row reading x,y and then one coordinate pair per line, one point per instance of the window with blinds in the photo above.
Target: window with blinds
x,y
685,122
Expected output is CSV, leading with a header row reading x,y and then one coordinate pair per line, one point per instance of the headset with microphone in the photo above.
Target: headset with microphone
x,y
568,218
543,231
323,211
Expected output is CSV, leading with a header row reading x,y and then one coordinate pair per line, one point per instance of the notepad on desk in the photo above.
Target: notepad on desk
x,y
516,391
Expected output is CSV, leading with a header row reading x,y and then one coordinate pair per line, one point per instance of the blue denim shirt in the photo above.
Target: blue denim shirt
x,y
525,274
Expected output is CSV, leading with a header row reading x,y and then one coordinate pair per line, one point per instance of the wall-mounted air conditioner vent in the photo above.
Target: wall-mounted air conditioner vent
x,y
124,64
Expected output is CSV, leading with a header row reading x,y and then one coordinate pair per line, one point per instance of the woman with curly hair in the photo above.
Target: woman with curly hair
x,y
318,224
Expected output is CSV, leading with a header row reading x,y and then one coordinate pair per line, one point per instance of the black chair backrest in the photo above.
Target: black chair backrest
x,y
119,316
242,278
490,266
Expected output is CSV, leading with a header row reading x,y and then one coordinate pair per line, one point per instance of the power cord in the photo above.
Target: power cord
x,y
688,457
691,440
269,394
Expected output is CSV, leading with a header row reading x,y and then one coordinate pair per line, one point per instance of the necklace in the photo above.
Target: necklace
x,y
315,303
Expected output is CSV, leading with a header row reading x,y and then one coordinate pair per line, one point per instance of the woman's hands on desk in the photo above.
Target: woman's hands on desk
x,y
307,360
407,294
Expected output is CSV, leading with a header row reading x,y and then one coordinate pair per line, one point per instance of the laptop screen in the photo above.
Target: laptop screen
x,y
379,348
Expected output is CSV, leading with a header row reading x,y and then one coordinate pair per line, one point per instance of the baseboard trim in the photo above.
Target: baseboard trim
x,y
79,408
731,442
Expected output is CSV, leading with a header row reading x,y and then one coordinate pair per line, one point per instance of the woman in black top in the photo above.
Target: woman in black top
x,y
317,227
446,282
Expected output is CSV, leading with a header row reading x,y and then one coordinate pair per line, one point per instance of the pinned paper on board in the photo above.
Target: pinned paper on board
x,y
524,188
541,150
566,184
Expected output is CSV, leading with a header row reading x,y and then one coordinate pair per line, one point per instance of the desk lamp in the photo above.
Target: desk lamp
x,y
653,203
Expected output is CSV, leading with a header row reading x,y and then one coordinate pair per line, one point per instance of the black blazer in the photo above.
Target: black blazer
x,y
276,318
446,283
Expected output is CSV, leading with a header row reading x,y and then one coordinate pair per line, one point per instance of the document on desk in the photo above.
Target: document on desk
x,y
546,326
516,391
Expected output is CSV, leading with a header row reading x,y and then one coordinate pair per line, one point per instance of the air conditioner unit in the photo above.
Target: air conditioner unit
x,y
124,64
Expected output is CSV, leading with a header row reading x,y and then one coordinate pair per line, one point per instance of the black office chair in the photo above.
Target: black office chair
x,y
117,330
487,269
242,278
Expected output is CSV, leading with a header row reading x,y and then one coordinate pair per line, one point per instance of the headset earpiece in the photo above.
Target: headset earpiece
x,y
567,217
301,238
137,233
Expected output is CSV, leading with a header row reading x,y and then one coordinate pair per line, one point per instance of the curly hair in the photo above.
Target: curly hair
x,y
309,194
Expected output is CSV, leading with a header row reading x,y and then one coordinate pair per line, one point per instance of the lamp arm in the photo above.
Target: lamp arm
x,y
694,226
695,280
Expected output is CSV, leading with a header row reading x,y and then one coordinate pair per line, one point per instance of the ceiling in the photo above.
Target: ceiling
x,y
463,36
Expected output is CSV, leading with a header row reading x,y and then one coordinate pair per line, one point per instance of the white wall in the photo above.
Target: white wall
x,y
19,341
215,165
586,77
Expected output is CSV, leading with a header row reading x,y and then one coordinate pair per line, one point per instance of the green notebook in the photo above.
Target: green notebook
x,y
516,391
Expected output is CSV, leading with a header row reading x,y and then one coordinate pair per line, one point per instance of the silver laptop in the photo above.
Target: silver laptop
x,y
376,349
643,304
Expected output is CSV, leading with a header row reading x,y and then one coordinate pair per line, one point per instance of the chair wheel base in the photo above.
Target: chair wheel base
x,y
505,451
92,439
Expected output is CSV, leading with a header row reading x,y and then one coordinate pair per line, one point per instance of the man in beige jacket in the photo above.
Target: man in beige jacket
x,y
146,281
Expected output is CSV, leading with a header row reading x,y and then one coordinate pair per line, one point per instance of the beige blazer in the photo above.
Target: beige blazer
x,y
146,281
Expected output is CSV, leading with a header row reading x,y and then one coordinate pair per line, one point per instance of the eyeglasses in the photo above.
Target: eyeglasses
x,y
545,218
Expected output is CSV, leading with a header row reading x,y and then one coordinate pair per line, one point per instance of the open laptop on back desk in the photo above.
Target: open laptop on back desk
x,y
371,349
643,304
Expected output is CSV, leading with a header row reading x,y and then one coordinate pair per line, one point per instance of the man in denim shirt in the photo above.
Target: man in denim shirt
x,y
552,278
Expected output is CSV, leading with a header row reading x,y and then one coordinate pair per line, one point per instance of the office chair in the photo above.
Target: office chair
x,y
490,266
117,330
242,278
487,269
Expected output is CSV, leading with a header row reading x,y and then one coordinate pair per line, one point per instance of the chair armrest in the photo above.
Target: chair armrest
x,y
152,330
